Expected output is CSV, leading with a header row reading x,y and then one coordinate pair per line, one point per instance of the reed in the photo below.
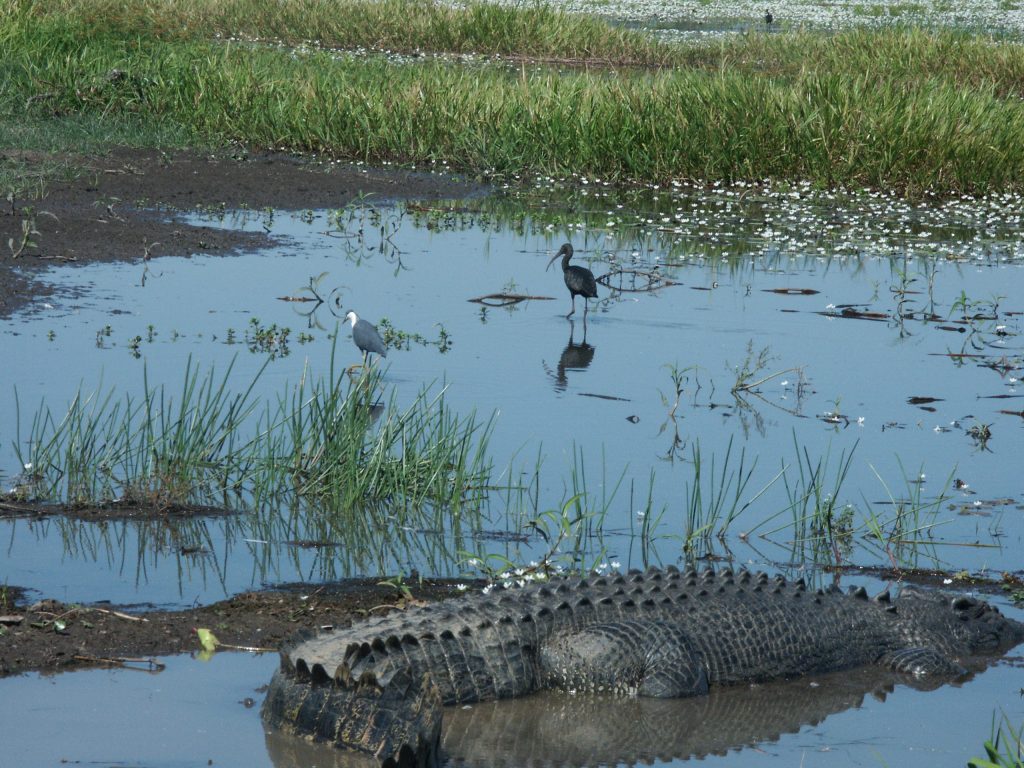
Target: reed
x,y
714,498
154,450
328,442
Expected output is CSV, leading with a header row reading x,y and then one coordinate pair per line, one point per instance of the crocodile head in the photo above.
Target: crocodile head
x,y
970,624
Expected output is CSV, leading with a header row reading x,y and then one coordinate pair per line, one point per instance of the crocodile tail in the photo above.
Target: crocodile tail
x,y
396,718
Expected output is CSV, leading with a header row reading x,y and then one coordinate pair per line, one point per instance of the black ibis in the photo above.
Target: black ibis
x,y
365,336
768,19
579,280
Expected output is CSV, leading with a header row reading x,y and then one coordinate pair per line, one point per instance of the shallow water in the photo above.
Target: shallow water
x,y
756,274
188,714
599,406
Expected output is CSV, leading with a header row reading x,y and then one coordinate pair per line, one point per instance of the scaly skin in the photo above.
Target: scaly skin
x,y
378,686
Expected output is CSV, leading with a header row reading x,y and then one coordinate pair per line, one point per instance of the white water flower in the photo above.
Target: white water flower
x,y
461,587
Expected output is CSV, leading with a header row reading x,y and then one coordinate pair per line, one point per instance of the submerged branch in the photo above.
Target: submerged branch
x,y
506,299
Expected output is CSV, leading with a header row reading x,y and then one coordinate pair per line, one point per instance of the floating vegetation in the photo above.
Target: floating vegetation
x,y
394,337
1014,587
269,340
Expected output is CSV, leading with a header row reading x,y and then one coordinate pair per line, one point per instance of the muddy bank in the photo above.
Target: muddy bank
x,y
13,506
51,636
126,206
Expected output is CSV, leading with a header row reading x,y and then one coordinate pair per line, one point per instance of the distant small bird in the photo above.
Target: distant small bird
x,y
579,280
768,19
365,336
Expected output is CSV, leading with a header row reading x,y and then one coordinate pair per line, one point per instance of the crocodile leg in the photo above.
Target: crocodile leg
x,y
645,658
921,662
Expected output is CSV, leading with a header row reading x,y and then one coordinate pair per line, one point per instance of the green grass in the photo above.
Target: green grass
x,y
536,30
325,441
897,108
907,55
1005,749
86,132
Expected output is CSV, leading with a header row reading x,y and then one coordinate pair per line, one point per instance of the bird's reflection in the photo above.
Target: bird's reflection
x,y
575,357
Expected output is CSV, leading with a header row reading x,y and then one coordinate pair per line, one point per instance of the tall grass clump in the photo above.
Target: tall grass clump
x,y
327,442
714,498
337,444
155,449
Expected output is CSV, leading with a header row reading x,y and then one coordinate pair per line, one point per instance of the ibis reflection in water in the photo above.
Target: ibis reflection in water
x,y
579,280
575,357
365,336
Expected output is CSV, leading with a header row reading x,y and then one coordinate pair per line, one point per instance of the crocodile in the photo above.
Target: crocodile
x,y
378,687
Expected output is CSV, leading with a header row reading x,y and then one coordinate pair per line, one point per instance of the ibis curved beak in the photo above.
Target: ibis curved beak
x,y
553,259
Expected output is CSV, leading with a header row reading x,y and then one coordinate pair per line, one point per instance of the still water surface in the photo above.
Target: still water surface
x,y
852,313
938,291
207,713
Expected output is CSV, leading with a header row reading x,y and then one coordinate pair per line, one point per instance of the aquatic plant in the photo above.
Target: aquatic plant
x,y
1005,748
713,500
328,439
